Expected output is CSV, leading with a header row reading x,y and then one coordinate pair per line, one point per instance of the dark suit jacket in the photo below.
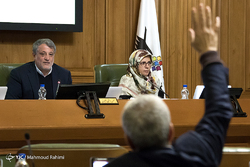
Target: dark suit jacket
x,y
24,82
201,147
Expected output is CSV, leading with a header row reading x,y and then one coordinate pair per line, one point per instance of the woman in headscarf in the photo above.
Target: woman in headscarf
x,y
139,79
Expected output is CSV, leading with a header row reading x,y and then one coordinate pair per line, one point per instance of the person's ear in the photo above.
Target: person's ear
x,y
129,141
34,55
171,133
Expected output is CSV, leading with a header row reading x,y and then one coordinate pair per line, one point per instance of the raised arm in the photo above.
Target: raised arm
x,y
205,144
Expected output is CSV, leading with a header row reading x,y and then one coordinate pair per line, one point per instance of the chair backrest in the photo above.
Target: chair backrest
x,y
69,154
5,69
110,73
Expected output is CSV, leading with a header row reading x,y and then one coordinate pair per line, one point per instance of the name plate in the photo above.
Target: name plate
x,y
109,101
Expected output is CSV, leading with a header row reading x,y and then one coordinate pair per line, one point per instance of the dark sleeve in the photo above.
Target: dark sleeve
x,y
14,90
69,78
204,145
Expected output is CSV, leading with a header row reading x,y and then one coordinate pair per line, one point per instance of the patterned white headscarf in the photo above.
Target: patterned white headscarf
x,y
140,81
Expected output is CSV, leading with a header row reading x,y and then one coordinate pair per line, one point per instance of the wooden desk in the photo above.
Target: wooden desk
x,y
62,121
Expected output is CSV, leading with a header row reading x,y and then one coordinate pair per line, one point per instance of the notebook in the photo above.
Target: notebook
x,y
114,92
3,90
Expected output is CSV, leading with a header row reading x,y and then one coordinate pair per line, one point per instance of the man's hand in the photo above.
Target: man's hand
x,y
204,35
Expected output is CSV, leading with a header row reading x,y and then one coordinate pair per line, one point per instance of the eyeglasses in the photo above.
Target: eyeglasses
x,y
149,63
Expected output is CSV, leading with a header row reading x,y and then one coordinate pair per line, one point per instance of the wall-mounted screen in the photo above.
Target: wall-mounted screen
x,y
45,15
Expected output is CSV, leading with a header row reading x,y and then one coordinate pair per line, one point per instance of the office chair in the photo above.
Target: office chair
x,y
110,73
5,69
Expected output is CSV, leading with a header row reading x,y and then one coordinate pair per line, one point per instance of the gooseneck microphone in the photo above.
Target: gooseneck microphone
x,y
27,137
147,79
58,84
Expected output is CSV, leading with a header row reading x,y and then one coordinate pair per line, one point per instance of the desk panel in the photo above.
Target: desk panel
x,y
63,121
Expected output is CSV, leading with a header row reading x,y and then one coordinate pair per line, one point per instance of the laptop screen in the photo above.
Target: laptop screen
x,y
99,162
3,90
114,92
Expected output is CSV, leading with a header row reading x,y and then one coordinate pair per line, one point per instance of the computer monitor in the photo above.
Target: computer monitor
x,y
235,92
58,16
73,91
234,95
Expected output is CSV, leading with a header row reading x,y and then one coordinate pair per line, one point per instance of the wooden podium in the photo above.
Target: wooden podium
x,y
63,121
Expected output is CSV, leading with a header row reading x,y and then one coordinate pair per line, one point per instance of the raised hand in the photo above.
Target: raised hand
x,y
204,35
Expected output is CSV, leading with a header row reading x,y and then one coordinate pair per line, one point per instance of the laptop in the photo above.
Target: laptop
x,y
114,92
3,90
199,89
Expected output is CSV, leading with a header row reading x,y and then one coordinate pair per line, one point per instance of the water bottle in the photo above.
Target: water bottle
x,y
184,92
42,92
21,161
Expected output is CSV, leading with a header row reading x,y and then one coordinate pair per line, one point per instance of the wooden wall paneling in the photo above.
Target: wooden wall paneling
x,y
218,13
224,32
100,32
116,31
16,46
67,52
237,43
91,42
133,27
88,34
163,26
196,67
214,11
192,54
4,47
125,33
81,49
131,21
82,75
247,46
186,48
129,38
184,60
181,59
180,54
173,59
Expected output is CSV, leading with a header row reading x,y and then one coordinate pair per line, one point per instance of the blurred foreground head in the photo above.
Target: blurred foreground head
x,y
146,122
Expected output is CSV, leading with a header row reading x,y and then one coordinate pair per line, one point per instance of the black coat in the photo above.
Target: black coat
x,y
24,81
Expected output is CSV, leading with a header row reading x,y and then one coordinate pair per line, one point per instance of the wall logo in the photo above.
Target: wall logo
x,y
157,63
140,43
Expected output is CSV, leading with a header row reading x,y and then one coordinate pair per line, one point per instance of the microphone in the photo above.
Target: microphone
x,y
58,84
27,137
159,88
